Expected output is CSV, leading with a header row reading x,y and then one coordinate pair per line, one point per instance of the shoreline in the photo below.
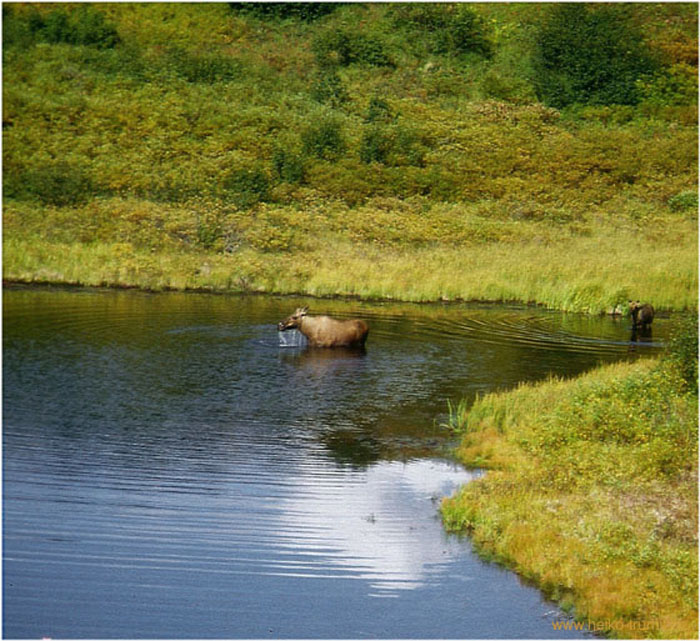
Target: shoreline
x,y
588,274
9,283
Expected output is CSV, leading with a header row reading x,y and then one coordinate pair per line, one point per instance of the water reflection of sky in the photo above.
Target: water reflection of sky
x,y
380,523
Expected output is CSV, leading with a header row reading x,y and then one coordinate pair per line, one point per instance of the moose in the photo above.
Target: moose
x,y
642,314
324,331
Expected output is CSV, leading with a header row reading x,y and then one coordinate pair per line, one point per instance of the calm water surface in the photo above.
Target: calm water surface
x,y
171,471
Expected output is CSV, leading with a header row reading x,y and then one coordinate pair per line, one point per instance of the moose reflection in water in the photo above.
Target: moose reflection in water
x,y
324,331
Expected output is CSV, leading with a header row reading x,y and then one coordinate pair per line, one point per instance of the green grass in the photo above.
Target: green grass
x,y
330,252
592,493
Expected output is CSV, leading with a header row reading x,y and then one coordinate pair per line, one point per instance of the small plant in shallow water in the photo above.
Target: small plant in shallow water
x,y
457,415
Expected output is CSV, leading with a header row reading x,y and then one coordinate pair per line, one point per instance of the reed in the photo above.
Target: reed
x,y
592,493
457,414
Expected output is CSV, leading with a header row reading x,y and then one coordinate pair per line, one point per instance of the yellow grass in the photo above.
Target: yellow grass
x,y
592,495
590,273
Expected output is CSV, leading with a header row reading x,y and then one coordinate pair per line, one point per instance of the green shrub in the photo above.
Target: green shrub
x,y
168,190
307,11
408,148
125,60
378,110
391,145
205,69
17,31
209,231
324,140
675,85
60,185
89,27
385,141
84,25
376,145
288,166
465,32
506,86
246,187
682,350
271,232
328,88
683,201
447,28
338,47
590,54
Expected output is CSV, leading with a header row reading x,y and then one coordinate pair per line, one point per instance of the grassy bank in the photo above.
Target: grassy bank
x,y
416,152
590,271
592,493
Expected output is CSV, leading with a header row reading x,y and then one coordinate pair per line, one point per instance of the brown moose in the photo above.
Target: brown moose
x,y
642,314
324,331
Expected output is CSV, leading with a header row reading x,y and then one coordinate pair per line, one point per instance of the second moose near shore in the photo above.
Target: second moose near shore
x,y
642,314
324,331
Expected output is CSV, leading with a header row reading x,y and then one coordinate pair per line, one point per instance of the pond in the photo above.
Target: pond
x,y
171,471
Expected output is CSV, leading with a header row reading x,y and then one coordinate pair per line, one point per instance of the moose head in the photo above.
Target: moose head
x,y
293,321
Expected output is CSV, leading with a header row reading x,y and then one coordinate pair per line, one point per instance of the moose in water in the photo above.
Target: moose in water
x,y
324,331
642,314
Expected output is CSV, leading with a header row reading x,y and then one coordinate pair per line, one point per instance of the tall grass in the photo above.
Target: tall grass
x,y
589,274
592,493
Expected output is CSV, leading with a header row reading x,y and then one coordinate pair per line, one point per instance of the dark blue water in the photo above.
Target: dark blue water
x,y
170,471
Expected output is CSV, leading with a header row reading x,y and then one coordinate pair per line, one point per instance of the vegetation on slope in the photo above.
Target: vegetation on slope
x,y
592,493
275,147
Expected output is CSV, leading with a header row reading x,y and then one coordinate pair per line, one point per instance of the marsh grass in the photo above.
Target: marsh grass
x,y
322,254
457,414
593,493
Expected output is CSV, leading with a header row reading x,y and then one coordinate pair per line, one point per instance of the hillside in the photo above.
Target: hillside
x,y
417,152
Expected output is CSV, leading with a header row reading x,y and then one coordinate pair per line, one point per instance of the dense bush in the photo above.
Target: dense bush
x,y
17,30
682,350
379,110
59,185
288,166
307,11
324,140
684,201
392,145
246,187
676,85
205,68
447,28
84,25
376,145
166,190
590,54
328,88
340,47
